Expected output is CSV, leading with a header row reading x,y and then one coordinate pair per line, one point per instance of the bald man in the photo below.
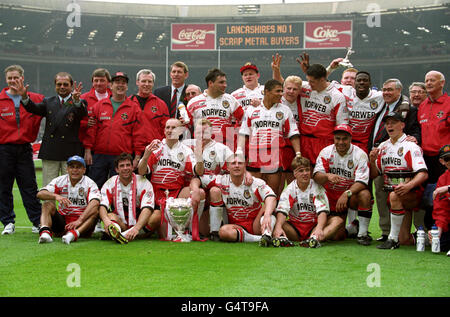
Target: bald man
x,y
434,119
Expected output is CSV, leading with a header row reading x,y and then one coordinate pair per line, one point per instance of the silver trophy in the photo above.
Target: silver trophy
x,y
179,212
395,178
346,62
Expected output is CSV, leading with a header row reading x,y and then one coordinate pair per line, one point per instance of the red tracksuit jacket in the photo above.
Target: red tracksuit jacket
x,y
29,123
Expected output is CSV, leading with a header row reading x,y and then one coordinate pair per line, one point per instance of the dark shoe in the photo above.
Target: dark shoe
x,y
354,235
364,240
214,236
382,238
282,242
266,241
310,243
116,235
389,244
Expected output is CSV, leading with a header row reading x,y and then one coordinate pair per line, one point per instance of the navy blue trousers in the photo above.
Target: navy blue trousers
x,y
102,168
17,164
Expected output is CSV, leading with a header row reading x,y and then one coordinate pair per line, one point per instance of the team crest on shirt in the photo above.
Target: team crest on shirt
x,y
440,114
311,198
180,156
400,151
81,191
327,99
154,109
246,194
225,104
373,104
212,155
350,164
279,115
124,116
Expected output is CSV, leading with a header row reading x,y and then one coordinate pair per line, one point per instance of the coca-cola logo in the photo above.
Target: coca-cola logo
x,y
323,33
192,35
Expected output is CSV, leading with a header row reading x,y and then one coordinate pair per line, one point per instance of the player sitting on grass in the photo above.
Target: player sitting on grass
x,y
303,209
127,203
78,198
247,217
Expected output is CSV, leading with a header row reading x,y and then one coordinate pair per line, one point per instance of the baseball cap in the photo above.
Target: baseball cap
x,y
119,74
444,151
395,115
76,158
344,128
249,65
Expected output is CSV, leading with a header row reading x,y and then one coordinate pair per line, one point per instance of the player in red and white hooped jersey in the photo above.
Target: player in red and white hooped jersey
x,y
252,93
220,108
249,207
169,162
394,155
78,197
303,207
127,203
266,127
343,169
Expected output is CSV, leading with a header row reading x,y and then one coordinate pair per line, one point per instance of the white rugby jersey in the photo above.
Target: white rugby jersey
x,y
265,127
362,114
303,206
353,167
242,202
169,166
402,156
245,95
79,195
322,111
220,111
293,107
144,195
214,155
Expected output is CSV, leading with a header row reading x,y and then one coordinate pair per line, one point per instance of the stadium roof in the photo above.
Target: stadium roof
x,y
283,7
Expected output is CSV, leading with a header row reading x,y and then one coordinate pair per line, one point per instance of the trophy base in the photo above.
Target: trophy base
x,y
183,237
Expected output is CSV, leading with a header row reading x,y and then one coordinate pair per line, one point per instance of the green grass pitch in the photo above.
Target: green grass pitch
x,y
153,268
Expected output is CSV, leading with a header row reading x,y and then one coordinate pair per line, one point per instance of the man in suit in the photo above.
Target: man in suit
x,y
63,114
394,101
175,93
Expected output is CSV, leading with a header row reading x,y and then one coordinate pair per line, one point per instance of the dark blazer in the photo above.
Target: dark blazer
x,y
412,126
165,94
60,139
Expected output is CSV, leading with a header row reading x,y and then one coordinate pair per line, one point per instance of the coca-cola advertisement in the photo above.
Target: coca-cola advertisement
x,y
328,34
193,37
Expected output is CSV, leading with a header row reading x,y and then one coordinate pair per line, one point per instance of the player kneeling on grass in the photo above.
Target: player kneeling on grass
x,y
127,203
248,219
303,208
78,199
343,169
397,155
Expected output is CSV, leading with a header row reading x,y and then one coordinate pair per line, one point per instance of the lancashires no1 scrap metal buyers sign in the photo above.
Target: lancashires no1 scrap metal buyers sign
x,y
262,36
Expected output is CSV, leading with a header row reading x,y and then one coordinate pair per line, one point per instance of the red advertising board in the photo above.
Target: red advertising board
x,y
193,37
328,34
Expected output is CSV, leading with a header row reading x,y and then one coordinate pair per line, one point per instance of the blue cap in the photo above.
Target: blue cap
x,y
76,158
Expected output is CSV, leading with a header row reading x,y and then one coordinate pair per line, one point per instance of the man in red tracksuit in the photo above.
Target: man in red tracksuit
x,y
154,110
116,131
18,128
101,80
441,203
434,120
